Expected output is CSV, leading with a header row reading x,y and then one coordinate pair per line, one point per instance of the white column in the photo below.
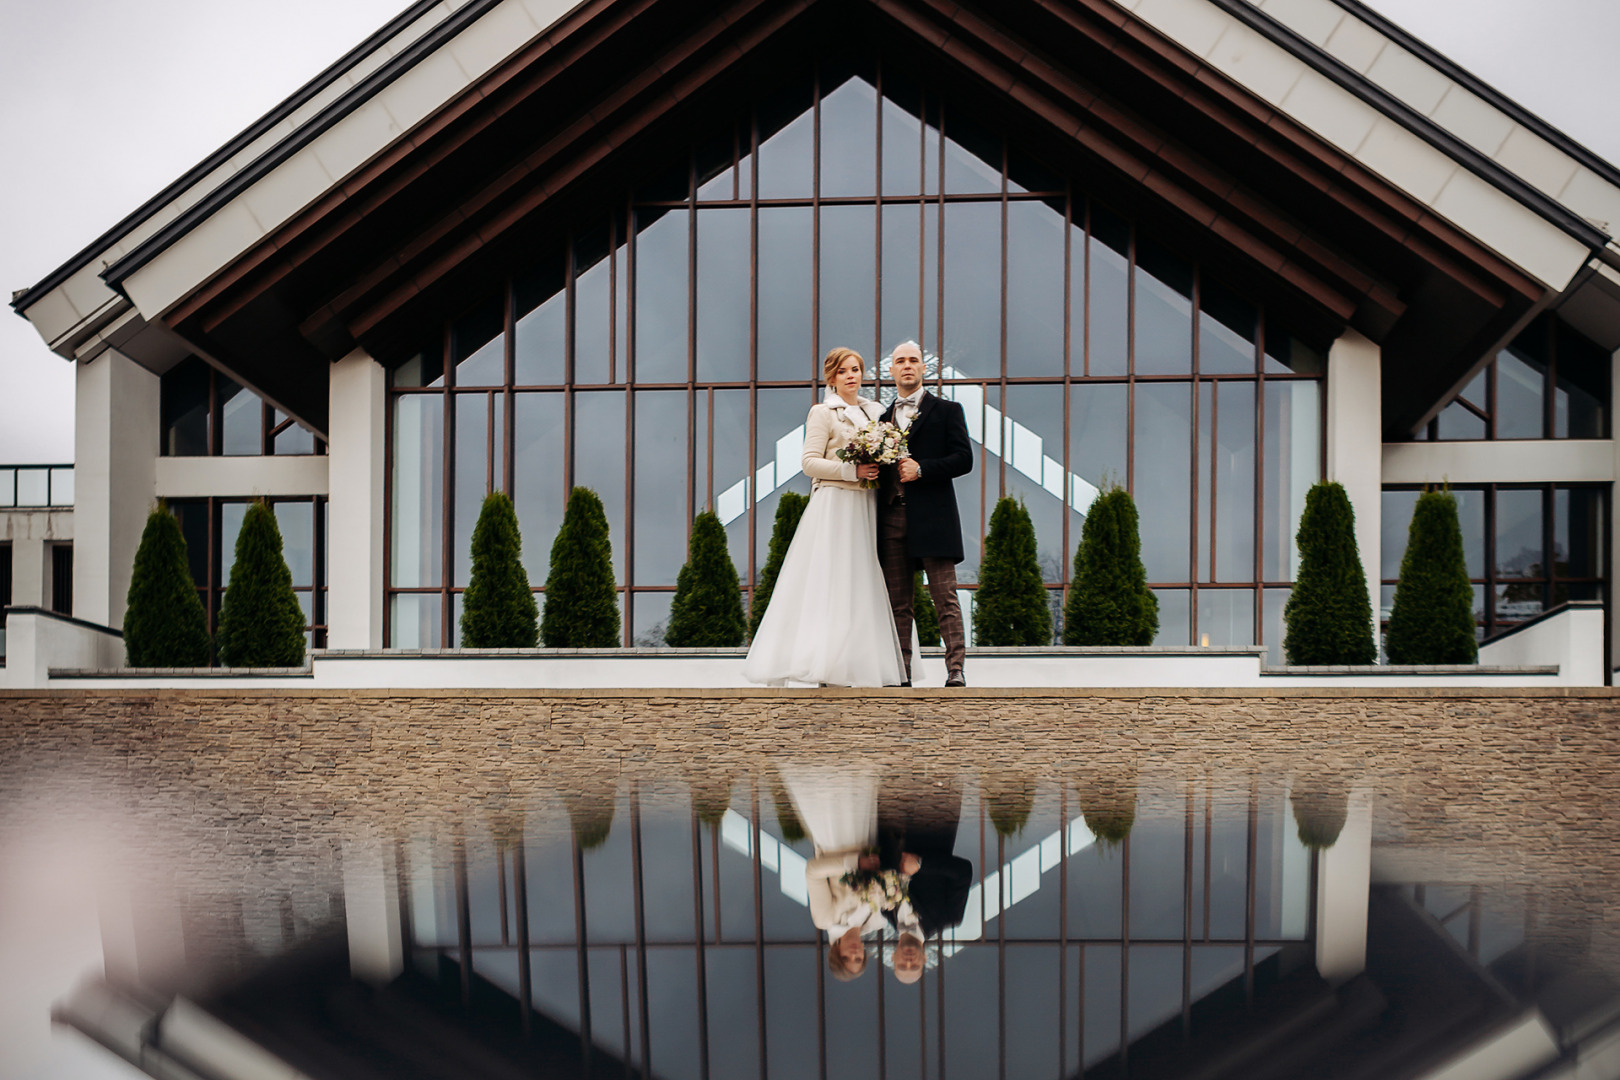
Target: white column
x,y
1355,441
115,448
355,458
1344,876
371,910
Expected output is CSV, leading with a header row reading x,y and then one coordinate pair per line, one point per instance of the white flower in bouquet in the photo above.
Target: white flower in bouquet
x,y
878,443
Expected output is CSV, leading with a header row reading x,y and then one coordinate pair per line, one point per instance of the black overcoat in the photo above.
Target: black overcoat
x,y
938,441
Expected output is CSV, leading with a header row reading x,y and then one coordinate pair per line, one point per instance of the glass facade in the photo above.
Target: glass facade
x,y
1529,547
206,414
1551,383
666,353
210,527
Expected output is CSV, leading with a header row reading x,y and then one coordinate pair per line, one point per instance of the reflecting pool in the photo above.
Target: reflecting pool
x,y
1271,913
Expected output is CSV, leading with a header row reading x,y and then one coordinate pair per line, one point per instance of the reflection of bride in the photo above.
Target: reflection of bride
x,y
829,619
838,808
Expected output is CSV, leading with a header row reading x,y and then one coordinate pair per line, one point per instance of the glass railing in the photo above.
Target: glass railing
x,y
26,486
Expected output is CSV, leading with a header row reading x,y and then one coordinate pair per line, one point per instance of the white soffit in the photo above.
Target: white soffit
x,y
1382,144
315,169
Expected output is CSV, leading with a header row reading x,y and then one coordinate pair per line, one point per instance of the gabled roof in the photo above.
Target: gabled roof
x,y
1498,202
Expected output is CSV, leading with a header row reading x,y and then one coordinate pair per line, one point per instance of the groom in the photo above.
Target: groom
x,y
917,521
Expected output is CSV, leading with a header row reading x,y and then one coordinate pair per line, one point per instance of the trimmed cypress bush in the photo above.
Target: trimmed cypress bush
x,y
1109,600
1329,614
707,610
1432,621
498,610
164,621
789,509
786,819
1011,606
582,601
711,795
260,622
1320,811
923,615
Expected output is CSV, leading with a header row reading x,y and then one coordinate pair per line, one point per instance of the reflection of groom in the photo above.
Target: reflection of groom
x,y
923,827
918,525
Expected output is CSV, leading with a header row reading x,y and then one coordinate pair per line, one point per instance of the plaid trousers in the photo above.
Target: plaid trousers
x,y
898,570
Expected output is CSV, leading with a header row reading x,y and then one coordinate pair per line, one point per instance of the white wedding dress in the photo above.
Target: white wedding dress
x,y
829,619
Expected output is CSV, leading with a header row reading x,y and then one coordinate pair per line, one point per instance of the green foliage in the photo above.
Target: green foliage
x,y
582,601
1008,800
1329,614
164,622
1109,809
260,622
923,615
788,821
1109,600
591,816
707,610
1011,606
711,795
498,610
1432,621
789,509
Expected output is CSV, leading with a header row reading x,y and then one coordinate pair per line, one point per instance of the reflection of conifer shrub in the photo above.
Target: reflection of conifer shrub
x,y
260,621
789,509
711,797
792,828
164,623
1011,606
923,614
1432,620
582,601
1320,812
498,610
591,815
1109,600
1329,613
1008,800
1109,809
707,610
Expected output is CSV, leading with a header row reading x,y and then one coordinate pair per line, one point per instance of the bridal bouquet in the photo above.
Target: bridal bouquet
x,y
878,443
880,890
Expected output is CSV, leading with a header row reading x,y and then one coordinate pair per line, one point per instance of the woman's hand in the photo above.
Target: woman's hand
x,y
866,472
910,864
868,862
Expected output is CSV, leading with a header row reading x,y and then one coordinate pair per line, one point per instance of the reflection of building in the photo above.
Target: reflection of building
x,y
1212,254
1210,942
36,539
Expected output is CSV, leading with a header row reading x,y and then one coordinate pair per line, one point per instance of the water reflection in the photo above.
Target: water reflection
x,y
812,919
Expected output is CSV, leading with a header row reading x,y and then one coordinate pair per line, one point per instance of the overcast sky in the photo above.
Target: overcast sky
x,y
106,101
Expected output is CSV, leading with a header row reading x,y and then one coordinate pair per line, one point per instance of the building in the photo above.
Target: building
x,y
1209,249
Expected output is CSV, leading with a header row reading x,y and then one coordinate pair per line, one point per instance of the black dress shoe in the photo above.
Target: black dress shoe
x,y
906,683
955,679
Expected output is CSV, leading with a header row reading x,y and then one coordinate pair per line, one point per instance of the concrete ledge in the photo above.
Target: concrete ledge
x,y
183,673
1392,670
900,696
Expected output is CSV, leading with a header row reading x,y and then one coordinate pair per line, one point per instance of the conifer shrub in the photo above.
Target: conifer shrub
x,y
1011,606
498,610
707,610
1109,601
1329,614
789,509
1432,620
786,818
260,621
165,625
923,615
711,796
582,601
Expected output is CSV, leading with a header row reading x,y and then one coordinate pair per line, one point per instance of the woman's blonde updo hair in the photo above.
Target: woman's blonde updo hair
x,y
841,967
835,360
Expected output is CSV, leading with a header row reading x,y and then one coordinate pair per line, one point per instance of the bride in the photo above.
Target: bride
x,y
829,619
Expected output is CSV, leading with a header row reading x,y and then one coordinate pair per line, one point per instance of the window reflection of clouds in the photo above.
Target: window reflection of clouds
x,y
849,281
849,140
599,428
723,295
786,294
973,288
661,298
661,463
1161,482
1034,289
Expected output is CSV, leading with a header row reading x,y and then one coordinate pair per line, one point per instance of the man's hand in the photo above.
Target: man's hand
x,y
869,862
866,472
909,470
910,864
